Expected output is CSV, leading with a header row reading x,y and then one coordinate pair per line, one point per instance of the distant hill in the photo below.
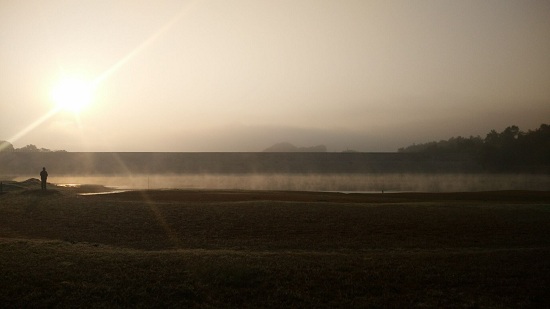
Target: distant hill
x,y
288,147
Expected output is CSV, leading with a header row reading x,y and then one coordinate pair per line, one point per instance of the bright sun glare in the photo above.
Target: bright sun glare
x,y
72,94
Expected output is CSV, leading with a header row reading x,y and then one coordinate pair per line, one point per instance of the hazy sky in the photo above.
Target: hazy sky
x,y
242,75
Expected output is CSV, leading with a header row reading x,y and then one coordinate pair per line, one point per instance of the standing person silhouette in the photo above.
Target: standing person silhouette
x,y
43,178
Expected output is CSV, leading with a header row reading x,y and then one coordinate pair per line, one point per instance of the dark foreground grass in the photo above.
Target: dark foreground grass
x,y
67,275
62,250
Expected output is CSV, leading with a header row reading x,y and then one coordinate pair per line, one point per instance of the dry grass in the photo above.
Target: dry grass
x,y
274,249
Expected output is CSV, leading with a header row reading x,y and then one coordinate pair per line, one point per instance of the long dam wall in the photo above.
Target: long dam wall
x,y
114,163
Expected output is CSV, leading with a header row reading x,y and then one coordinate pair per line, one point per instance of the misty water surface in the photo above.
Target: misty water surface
x,y
320,182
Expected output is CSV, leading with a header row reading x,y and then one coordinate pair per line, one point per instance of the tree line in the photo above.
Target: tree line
x,y
509,150
7,146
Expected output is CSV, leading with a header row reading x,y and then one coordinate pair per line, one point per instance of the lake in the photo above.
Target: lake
x,y
387,182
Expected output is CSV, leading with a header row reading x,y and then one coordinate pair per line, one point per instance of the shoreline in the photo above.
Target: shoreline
x,y
186,195
32,186
353,183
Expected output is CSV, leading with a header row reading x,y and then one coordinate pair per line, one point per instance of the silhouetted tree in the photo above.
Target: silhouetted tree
x,y
471,145
501,149
508,150
536,144
33,148
6,146
28,148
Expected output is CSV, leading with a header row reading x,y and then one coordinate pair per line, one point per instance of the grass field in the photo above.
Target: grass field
x,y
255,249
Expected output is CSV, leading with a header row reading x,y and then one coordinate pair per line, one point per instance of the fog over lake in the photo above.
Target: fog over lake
x,y
388,182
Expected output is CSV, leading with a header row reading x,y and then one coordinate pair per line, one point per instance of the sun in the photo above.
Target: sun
x,y
72,94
